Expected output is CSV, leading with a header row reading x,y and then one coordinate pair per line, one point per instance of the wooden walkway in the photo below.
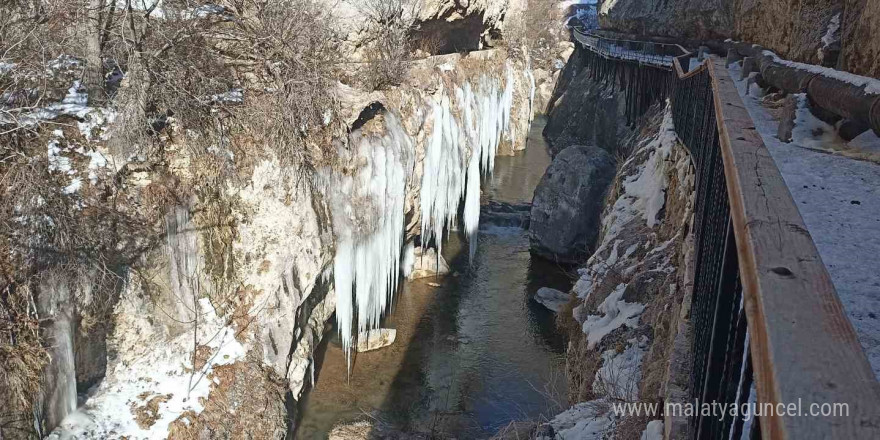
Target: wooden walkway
x,y
765,311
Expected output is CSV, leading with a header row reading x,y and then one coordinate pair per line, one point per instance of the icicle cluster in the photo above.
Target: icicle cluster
x,y
368,205
448,175
368,215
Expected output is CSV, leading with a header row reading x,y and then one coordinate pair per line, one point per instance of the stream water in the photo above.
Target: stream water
x,y
474,351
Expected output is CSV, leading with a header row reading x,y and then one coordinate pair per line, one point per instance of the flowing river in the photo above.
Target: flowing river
x,y
474,352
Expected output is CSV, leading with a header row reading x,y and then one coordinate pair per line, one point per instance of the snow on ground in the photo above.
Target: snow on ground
x,y
621,373
839,199
616,382
616,313
61,153
162,370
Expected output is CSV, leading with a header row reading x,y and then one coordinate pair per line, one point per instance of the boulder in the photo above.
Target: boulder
x,y
552,299
375,339
567,204
420,263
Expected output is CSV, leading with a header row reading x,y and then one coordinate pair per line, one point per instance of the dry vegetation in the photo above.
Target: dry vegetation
x,y
238,78
215,87
389,24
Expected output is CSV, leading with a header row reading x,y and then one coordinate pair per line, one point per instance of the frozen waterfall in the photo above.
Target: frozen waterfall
x,y
368,203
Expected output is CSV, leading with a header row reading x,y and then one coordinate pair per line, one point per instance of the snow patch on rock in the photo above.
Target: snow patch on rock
x,y
616,313
164,369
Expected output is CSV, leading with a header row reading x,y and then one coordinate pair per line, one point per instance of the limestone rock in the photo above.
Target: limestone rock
x,y
552,299
700,19
375,339
425,263
568,202
583,112
444,26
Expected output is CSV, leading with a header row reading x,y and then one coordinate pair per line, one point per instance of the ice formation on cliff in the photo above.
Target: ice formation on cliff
x,y
368,218
466,128
485,117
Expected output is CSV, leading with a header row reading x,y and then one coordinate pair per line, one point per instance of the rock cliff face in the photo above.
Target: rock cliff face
x,y
578,98
794,29
834,33
860,40
624,318
696,19
245,275
441,26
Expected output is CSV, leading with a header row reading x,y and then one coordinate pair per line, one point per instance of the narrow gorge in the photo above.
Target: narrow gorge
x,y
420,219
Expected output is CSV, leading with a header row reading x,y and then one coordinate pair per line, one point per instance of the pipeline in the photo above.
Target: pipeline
x,y
843,99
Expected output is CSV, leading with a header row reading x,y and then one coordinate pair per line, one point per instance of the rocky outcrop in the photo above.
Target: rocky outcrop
x,y
585,112
833,33
237,282
375,339
794,29
625,318
552,299
567,203
440,26
546,78
860,41
421,263
691,19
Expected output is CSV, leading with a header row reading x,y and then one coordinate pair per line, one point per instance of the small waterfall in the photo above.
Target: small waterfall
x,y
59,389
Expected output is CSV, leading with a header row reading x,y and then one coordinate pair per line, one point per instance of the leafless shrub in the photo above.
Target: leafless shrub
x,y
389,25
22,355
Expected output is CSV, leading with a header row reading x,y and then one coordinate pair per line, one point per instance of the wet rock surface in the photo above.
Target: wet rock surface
x,y
579,98
506,214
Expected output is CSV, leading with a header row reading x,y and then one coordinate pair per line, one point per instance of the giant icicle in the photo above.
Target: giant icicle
x,y
368,204
448,176
368,216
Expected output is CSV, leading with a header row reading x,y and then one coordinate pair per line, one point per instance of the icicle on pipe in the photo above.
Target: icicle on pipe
x,y
448,175
368,218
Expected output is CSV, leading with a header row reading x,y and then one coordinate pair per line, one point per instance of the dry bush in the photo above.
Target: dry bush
x,y
389,26
22,356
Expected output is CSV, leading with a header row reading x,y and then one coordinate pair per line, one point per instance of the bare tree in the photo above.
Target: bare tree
x,y
93,76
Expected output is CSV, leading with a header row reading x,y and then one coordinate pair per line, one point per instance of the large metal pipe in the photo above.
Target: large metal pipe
x,y
837,96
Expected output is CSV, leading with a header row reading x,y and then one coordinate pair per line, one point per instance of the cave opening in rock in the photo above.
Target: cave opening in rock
x,y
446,35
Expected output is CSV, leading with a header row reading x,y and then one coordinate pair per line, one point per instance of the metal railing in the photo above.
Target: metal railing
x,y
764,311
645,52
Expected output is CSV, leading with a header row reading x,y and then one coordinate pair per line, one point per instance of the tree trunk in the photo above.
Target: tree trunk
x,y
94,72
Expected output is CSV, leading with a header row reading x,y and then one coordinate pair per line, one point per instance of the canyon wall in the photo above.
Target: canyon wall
x,y
237,290
629,306
834,33
690,19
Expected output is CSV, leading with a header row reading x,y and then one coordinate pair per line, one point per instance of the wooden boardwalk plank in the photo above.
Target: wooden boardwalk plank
x,y
804,349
